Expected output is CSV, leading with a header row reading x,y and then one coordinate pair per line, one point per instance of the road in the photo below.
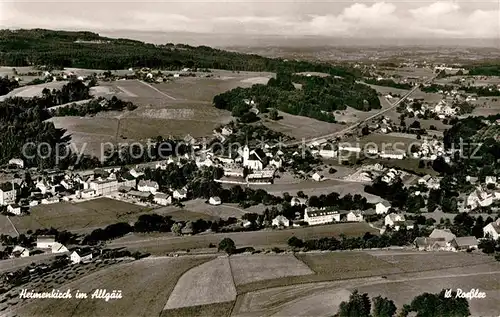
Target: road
x,y
353,126
157,90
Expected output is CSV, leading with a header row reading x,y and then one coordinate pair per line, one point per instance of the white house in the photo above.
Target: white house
x,y
104,187
382,208
491,180
317,177
492,229
444,234
281,221
355,216
276,162
392,155
7,194
20,251
45,242
148,186
227,131
162,199
18,162
14,209
392,219
43,186
326,153
59,248
315,216
464,243
179,194
50,200
135,173
297,201
76,257
349,148
214,201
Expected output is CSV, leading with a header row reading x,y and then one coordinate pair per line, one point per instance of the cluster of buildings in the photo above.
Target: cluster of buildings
x,y
432,149
46,244
445,240
484,194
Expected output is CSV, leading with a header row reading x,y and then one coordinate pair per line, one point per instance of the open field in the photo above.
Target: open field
x,y
209,283
210,310
248,269
301,127
266,238
312,296
205,210
84,216
311,187
145,284
485,106
33,90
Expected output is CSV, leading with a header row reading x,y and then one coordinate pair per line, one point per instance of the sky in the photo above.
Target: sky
x,y
332,18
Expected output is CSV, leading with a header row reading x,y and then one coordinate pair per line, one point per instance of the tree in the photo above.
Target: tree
x,y
295,242
273,114
436,305
176,229
227,245
357,306
383,307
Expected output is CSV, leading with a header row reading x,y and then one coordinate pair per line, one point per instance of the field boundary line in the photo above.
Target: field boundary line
x,y
157,90
234,283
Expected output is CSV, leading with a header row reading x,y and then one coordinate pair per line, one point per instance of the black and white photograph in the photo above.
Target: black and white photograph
x,y
250,158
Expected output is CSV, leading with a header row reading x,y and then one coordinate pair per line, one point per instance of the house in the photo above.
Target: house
x,y
464,243
355,216
491,180
8,194
179,194
59,248
50,200
20,252
43,186
81,257
227,131
315,216
348,148
141,196
395,155
430,244
162,199
317,177
444,234
104,187
86,193
297,201
17,162
407,224
382,208
392,219
281,221
14,209
276,162
214,201
148,186
492,230
127,180
328,152
45,242
135,173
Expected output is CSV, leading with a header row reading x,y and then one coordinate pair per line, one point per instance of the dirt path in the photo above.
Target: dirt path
x,y
157,90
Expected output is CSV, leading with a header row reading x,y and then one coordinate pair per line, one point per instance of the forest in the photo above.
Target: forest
x,y
317,98
59,49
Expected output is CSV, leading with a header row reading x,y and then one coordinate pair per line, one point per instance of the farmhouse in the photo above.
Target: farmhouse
x,y
162,199
20,252
464,243
355,216
104,187
492,229
281,221
392,219
59,248
317,177
179,194
81,257
430,244
7,194
315,216
17,162
45,242
214,201
14,209
148,186
382,207
444,234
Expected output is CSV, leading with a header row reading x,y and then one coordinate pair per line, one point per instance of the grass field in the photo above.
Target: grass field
x,y
210,310
84,216
209,283
268,238
264,267
204,210
146,285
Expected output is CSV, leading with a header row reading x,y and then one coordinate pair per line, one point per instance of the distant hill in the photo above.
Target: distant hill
x,y
92,51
